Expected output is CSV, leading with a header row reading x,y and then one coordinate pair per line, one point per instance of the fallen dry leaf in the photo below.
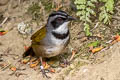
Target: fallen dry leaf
x,y
90,48
117,38
45,65
63,65
3,65
13,68
34,64
33,59
113,42
51,62
96,49
26,60
52,70
3,32
83,39
99,35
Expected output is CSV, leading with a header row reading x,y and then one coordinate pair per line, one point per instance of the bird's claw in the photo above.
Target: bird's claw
x,y
65,63
44,72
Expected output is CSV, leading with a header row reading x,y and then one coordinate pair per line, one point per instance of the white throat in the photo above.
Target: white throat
x,y
62,28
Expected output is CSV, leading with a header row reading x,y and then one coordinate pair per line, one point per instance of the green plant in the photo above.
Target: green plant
x,y
86,10
34,11
37,9
106,11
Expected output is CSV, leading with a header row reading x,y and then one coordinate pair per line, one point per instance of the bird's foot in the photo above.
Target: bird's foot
x,y
73,54
64,63
44,72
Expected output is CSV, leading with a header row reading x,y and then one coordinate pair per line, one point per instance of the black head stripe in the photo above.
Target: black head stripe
x,y
60,36
62,13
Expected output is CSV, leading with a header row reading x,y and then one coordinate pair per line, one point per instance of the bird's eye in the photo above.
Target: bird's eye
x,y
59,19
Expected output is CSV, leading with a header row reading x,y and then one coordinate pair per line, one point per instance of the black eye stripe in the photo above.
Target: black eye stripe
x,y
62,18
56,22
59,19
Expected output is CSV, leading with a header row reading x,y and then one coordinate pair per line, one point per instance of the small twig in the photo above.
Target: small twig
x,y
17,74
4,21
6,67
9,64
95,26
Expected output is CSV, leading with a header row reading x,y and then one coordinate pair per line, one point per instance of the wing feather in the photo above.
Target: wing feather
x,y
39,35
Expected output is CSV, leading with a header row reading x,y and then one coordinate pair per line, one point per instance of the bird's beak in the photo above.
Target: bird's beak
x,y
70,18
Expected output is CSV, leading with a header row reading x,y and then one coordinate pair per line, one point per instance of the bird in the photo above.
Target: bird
x,y
52,39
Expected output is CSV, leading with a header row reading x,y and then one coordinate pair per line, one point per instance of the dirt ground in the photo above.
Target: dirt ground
x,y
104,65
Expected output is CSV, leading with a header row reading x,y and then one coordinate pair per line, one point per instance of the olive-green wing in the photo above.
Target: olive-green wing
x,y
39,35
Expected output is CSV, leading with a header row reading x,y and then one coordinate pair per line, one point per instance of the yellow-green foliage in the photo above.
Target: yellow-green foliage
x,y
86,10
106,11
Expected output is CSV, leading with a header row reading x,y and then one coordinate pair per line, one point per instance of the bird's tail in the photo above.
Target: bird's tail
x,y
28,52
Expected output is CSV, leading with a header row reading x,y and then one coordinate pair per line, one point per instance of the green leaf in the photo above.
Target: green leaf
x,y
79,13
107,19
90,11
89,3
87,14
88,20
94,44
82,18
109,6
101,16
87,29
103,0
81,6
119,33
94,0
80,2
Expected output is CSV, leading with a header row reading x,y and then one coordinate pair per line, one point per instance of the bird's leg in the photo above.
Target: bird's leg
x,y
64,61
42,68
73,54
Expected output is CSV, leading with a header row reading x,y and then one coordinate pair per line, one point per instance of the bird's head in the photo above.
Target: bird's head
x,y
59,18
